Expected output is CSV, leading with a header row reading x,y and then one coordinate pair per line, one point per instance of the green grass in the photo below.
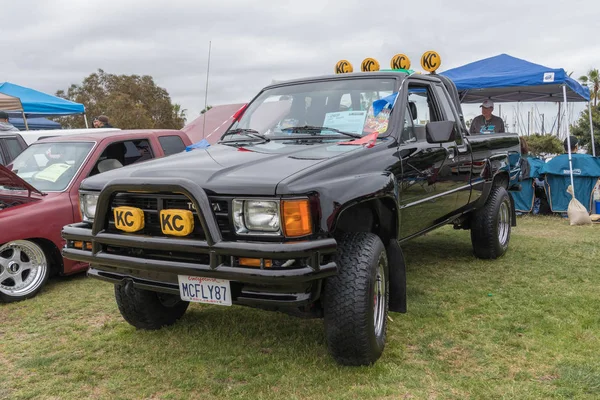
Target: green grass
x,y
526,326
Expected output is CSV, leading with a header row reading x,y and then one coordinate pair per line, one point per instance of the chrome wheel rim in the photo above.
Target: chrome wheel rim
x,y
503,223
379,299
23,267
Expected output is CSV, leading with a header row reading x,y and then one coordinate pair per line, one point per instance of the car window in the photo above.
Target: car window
x,y
345,105
14,147
171,144
120,154
448,110
1,157
51,166
408,131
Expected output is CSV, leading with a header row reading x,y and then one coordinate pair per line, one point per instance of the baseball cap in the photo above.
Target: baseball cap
x,y
3,115
487,104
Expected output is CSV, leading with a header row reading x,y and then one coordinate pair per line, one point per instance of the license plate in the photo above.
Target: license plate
x,y
129,219
176,222
204,290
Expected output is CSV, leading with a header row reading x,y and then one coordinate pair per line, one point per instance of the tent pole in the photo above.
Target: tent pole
x,y
85,119
25,120
569,142
592,128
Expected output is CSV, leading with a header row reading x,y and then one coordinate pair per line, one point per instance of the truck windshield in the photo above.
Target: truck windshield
x,y
49,167
343,105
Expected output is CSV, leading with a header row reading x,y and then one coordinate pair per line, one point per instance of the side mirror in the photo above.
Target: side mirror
x,y
440,132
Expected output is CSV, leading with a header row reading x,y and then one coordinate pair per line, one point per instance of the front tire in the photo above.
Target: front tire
x,y
149,310
355,301
491,225
24,270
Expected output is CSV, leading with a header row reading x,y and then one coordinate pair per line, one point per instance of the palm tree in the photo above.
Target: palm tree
x,y
592,79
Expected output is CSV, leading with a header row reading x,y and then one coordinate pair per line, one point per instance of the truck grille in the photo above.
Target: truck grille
x,y
151,204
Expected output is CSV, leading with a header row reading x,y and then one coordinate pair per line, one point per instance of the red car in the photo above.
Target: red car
x,y
39,195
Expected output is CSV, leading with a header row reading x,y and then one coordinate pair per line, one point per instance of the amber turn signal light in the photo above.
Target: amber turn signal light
x,y
254,262
296,218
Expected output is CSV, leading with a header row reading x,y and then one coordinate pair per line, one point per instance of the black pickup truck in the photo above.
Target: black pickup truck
x,y
301,207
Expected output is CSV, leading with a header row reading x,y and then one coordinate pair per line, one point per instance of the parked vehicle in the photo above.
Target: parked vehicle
x,y
302,207
11,145
35,135
39,195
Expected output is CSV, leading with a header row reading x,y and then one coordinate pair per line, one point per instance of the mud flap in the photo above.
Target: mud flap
x,y
397,302
513,212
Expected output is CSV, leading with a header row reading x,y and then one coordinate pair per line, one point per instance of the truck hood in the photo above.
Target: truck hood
x,y
10,179
255,170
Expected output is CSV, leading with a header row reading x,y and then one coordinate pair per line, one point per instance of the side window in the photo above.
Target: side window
x,y
448,110
171,144
408,131
1,157
13,147
422,109
120,154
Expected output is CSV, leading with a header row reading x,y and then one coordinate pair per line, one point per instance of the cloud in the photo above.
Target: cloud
x,y
54,44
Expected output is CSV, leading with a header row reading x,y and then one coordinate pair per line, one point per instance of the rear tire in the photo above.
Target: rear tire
x,y
149,310
491,225
24,270
355,301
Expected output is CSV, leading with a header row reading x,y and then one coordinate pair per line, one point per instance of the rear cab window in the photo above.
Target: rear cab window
x,y
171,144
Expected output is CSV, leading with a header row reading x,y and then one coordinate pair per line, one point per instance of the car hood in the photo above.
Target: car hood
x,y
10,179
228,169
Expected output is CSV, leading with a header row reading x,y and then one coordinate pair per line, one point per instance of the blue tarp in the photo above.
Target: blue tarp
x,y
525,198
586,171
34,123
38,103
504,78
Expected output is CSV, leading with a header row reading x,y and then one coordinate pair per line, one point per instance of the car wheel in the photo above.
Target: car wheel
x,y
355,301
145,309
491,225
23,270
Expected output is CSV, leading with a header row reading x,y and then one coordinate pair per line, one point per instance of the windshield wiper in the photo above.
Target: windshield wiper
x,y
251,133
313,130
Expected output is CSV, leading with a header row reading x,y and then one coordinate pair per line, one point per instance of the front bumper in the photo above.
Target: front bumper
x,y
154,263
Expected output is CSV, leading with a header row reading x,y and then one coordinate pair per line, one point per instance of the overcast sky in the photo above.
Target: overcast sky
x,y
50,44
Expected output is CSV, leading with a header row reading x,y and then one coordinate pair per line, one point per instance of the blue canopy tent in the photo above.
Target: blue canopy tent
x,y
39,104
34,123
525,198
504,78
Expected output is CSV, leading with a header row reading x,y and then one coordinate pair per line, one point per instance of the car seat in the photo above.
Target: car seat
x,y
108,164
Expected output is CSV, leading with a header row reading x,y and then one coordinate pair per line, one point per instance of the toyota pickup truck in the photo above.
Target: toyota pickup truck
x,y
302,206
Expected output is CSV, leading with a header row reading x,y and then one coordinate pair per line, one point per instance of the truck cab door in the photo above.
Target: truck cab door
x,y
431,178
459,154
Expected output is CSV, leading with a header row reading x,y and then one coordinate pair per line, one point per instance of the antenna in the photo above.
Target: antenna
x,y
206,91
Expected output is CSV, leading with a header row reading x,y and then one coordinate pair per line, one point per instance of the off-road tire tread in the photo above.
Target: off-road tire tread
x,y
484,226
347,313
143,309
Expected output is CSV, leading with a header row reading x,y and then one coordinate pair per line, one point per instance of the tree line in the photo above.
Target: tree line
x,y
130,102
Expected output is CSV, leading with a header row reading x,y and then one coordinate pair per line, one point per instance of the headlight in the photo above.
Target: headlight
x,y
87,205
292,217
261,216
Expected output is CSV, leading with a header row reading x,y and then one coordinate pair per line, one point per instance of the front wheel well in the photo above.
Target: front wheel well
x,y
377,216
53,254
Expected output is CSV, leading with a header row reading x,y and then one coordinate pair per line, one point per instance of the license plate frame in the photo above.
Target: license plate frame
x,y
197,289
